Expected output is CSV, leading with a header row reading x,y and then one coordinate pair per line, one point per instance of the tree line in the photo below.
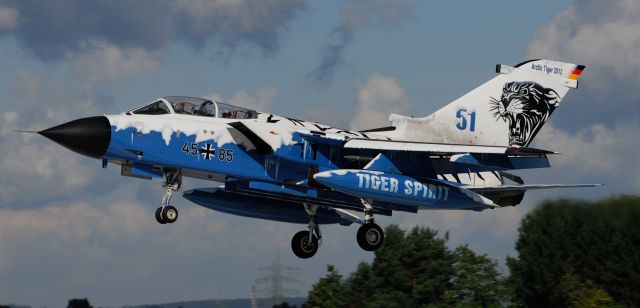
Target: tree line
x,y
571,253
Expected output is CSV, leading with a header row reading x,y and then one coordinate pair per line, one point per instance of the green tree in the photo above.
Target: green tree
x,y
328,291
284,305
411,270
429,264
582,293
570,251
79,303
360,286
477,281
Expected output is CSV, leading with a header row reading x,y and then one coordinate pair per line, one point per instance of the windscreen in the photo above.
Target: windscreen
x,y
196,106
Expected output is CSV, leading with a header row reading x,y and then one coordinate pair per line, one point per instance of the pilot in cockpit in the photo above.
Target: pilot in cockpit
x,y
183,107
179,107
230,114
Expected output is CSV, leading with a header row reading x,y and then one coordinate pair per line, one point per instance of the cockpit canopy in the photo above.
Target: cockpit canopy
x,y
194,106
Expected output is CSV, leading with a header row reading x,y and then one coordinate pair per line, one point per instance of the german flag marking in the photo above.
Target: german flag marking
x,y
576,72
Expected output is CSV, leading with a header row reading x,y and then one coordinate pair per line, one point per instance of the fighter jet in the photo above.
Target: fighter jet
x,y
267,166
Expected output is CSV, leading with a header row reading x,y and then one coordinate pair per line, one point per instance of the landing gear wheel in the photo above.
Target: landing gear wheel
x,y
172,182
170,214
159,217
370,237
302,246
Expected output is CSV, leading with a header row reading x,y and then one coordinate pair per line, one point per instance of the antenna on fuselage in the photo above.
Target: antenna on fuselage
x,y
26,131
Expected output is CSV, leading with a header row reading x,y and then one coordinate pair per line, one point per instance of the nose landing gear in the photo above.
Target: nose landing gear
x,y
305,243
172,182
166,215
303,246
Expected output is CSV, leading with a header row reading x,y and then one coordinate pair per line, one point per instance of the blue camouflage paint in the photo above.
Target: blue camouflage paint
x,y
126,142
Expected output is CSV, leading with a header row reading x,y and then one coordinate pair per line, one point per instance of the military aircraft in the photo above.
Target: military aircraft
x,y
277,168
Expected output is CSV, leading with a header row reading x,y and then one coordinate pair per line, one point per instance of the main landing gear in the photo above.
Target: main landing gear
x,y
305,243
370,236
167,214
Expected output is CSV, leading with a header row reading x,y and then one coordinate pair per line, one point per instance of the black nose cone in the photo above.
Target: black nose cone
x,y
87,136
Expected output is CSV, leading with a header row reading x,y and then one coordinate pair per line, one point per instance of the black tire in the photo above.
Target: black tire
x,y
159,217
302,247
170,214
370,237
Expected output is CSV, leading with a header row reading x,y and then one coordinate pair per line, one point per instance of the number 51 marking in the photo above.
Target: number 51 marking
x,y
462,115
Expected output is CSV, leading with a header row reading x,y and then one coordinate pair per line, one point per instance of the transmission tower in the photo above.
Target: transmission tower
x,y
278,282
254,297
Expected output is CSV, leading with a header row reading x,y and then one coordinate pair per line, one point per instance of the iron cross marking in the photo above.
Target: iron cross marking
x,y
207,151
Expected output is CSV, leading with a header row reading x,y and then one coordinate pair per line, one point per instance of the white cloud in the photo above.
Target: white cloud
x,y
380,96
103,61
38,100
77,248
262,100
36,170
604,36
596,154
331,113
9,18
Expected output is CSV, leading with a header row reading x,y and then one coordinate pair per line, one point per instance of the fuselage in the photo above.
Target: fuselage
x,y
261,154
267,155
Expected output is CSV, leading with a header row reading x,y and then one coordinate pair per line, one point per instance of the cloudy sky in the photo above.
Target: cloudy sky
x,y
69,228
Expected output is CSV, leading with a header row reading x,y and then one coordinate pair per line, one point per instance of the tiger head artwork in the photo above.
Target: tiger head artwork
x,y
525,106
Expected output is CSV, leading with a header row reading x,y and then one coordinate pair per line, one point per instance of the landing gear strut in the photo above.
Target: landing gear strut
x,y
305,243
370,236
167,214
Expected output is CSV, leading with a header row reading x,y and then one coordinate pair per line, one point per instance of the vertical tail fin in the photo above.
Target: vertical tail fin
x,y
508,110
